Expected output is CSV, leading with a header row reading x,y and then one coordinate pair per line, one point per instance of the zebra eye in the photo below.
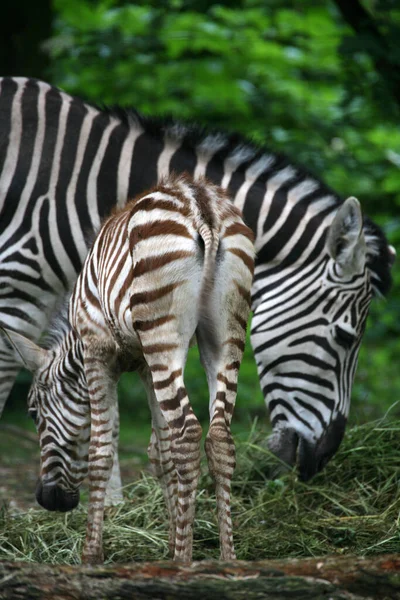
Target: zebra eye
x,y
344,338
32,412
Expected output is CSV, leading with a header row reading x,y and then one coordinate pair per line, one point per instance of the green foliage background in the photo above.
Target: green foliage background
x,y
291,75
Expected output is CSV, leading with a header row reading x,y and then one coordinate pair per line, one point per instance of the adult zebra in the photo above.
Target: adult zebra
x,y
64,164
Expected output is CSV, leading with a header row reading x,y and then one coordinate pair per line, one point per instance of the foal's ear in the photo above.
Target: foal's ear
x,y
28,354
345,242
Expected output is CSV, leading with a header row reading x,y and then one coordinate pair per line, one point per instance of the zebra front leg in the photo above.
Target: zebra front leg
x,y
9,369
163,468
36,311
8,374
103,400
159,453
114,487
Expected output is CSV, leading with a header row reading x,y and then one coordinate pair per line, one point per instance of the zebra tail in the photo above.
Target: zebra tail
x,y
207,321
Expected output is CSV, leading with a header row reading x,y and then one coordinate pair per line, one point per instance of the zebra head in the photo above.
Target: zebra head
x,y
306,335
58,403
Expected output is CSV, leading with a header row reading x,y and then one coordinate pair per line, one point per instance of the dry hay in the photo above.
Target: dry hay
x,y
352,507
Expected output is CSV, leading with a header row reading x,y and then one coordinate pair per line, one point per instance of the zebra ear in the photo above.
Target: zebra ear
x,y
392,255
29,354
345,242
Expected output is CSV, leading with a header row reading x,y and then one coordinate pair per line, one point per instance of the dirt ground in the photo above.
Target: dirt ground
x,y
20,461
19,467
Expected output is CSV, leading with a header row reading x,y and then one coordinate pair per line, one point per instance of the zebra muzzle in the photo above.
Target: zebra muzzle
x,y
309,457
312,457
53,497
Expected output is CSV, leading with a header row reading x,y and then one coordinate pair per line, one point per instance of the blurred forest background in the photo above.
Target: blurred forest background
x,y
318,80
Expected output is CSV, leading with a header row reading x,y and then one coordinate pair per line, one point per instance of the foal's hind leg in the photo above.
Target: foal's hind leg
x,y
184,435
232,305
165,322
219,444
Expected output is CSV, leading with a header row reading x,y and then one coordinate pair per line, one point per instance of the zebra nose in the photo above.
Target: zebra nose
x,y
283,444
53,497
312,457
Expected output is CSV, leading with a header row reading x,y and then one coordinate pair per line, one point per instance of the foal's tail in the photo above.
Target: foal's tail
x,y
208,323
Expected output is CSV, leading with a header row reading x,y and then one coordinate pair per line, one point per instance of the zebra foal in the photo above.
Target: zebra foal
x,y
174,263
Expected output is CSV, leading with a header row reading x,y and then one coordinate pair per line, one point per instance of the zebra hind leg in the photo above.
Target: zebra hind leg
x,y
178,460
222,375
165,329
219,444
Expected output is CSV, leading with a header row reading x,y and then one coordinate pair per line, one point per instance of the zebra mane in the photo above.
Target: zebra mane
x,y
244,153
194,136
59,325
379,258
191,135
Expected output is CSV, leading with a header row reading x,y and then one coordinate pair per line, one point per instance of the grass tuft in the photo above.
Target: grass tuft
x,y
352,507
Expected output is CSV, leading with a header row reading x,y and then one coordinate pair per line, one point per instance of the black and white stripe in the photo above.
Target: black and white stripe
x,y
64,164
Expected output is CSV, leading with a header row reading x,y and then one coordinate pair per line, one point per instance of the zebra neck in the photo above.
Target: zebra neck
x,y
62,337
67,343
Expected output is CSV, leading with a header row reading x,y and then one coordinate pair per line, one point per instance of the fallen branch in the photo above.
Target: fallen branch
x,y
336,578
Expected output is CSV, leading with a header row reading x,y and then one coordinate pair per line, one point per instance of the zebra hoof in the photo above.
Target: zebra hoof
x,y
113,499
89,558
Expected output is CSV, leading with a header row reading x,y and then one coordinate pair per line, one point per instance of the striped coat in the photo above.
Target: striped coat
x,y
65,164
